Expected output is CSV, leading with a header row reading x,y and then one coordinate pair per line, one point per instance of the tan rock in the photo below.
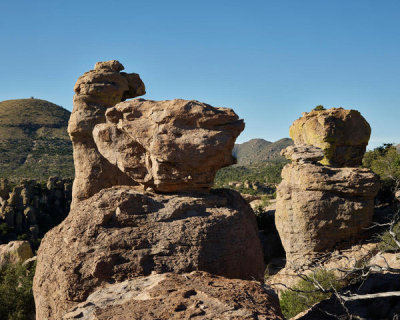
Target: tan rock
x,y
15,252
174,145
120,234
95,91
303,153
196,295
319,208
342,134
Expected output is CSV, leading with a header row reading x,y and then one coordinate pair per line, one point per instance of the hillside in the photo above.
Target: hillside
x,y
259,150
33,140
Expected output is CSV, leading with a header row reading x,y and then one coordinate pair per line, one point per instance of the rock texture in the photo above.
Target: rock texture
x,y
170,146
119,235
95,91
322,207
15,252
196,295
342,134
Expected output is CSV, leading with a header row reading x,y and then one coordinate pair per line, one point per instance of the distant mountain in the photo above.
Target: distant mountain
x,y
259,150
34,142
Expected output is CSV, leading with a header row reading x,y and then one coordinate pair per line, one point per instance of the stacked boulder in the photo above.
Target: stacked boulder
x,y
31,208
146,237
325,201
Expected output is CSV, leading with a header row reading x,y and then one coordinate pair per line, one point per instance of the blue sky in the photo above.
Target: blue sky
x,y
268,60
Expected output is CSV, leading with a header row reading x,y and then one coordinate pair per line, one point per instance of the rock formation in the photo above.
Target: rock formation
x,y
321,207
152,142
15,252
122,235
95,91
342,134
31,208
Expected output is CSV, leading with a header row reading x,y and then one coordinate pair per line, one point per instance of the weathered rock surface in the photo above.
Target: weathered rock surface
x,y
15,252
170,146
342,134
196,295
303,153
120,234
320,207
95,91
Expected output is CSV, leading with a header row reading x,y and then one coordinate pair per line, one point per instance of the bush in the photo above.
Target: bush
x,y
293,302
16,297
319,108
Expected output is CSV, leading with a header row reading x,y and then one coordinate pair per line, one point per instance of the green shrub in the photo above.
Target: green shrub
x,y
293,302
16,297
319,108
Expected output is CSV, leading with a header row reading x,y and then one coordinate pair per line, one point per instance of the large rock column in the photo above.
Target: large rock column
x,y
320,207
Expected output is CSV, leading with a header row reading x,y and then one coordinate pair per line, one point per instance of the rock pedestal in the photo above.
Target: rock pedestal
x,y
144,217
321,207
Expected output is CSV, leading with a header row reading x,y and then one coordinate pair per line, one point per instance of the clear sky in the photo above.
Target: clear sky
x,y
268,60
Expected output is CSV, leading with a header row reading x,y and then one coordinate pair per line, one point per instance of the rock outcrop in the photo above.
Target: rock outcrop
x,y
118,232
342,134
322,207
195,295
15,252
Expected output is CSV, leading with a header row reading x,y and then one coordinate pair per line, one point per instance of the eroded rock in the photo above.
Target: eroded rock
x,y
175,145
342,134
15,252
196,295
121,234
95,91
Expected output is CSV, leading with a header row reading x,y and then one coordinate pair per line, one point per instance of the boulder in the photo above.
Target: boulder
x,y
342,134
15,252
319,208
195,295
95,91
174,145
120,234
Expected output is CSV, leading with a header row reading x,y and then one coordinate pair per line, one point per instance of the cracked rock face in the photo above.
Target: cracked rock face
x,y
174,145
195,295
342,134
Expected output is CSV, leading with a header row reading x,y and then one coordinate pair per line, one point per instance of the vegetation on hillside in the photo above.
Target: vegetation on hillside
x,y
260,178
34,142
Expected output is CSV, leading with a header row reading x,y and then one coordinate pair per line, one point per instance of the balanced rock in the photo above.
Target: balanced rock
x,y
319,207
170,146
342,134
120,234
195,295
95,91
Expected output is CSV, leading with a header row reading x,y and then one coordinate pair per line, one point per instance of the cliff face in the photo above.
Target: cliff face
x,y
143,213
320,207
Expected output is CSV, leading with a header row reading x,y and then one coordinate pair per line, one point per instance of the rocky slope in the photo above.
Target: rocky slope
x,y
260,150
33,140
